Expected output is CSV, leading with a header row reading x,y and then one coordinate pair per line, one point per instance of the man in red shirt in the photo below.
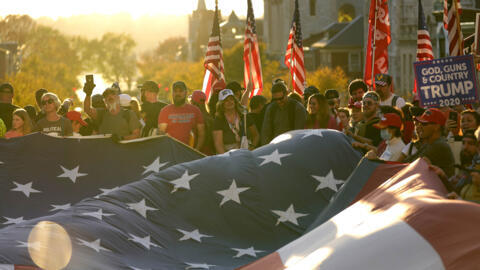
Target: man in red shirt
x,y
180,119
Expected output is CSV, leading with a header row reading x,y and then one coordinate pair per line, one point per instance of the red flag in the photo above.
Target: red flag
x,y
251,55
294,54
378,35
214,74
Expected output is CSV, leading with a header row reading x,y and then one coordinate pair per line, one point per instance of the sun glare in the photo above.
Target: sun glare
x,y
49,245
57,8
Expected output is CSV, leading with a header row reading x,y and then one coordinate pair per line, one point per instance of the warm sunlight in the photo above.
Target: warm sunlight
x,y
58,8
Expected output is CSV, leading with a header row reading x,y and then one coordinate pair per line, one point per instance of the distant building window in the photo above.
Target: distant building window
x,y
346,13
354,62
313,7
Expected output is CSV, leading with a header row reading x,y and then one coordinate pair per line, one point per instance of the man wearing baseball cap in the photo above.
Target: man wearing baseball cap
x,y
367,135
151,107
430,129
383,86
180,119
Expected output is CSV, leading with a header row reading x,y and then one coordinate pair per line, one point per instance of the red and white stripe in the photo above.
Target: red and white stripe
x,y
251,55
294,61
407,223
455,37
294,56
214,69
207,83
424,46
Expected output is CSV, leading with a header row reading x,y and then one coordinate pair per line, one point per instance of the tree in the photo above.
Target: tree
x,y
17,28
48,61
115,58
325,78
171,49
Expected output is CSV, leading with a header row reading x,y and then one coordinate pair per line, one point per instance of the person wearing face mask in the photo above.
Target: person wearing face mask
x,y
122,124
390,127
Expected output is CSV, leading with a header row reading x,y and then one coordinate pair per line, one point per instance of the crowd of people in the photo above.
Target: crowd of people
x,y
381,124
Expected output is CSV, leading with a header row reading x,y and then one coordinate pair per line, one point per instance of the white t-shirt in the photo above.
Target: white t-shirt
x,y
393,150
388,102
407,148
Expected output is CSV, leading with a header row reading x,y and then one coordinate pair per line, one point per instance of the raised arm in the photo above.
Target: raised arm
x,y
87,103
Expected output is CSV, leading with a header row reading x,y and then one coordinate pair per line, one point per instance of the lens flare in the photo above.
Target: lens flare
x,y
49,246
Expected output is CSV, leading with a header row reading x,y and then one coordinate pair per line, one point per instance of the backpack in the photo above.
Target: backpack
x,y
394,100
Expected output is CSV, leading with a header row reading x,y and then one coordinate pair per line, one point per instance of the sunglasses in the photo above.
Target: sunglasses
x,y
278,99
47,101
426,124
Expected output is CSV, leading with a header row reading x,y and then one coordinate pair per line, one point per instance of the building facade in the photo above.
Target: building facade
x,y
199,30
333,34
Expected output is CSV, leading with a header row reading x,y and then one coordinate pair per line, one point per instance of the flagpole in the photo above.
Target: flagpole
x,y
374,42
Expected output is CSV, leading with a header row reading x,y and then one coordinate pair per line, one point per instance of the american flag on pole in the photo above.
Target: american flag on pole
x,y
251,55
294,54
214,78
451,19
424,44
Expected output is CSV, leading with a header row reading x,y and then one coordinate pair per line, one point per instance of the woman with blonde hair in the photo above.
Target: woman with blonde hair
x,y
21,124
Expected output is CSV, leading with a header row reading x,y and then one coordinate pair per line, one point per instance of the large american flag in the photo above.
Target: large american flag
x,y
294,55
424,44
219,212
405,223
41,175
451,19
214,78
251,55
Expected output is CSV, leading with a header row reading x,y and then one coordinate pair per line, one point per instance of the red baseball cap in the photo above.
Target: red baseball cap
x,y
199,97
76,116
389,120
432,115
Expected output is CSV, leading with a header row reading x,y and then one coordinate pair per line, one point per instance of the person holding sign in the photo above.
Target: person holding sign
x,y
383,87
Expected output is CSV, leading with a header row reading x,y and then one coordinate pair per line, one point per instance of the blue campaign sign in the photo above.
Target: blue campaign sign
x,y
446,82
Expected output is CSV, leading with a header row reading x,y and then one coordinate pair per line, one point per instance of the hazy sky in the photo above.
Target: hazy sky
x,y
137,8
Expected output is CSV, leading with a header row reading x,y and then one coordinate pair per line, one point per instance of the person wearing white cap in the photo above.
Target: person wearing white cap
x,y
125,100
231,127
